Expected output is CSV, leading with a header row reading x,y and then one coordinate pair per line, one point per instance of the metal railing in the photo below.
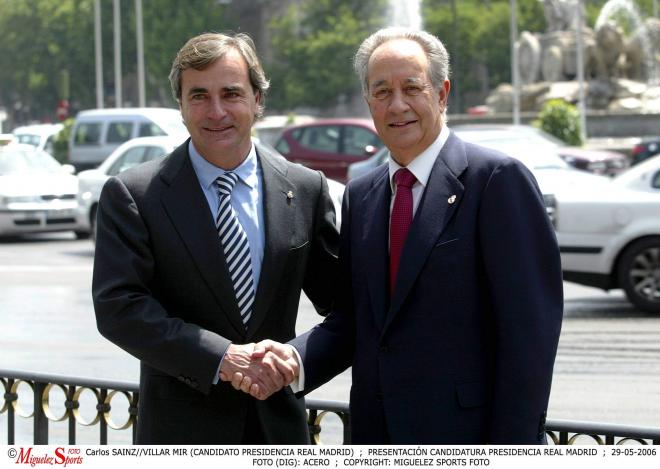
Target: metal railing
x,y
560,432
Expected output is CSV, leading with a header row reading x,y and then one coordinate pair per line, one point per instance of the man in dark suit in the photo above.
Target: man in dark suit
x,y
451,303
207,250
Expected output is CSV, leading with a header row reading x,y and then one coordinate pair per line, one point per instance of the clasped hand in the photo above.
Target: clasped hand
x,y
260,369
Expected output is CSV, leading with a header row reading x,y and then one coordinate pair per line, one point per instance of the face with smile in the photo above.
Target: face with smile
x,y
406,110
218,106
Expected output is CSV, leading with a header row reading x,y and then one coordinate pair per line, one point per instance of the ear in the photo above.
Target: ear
x,y
443,94
257,98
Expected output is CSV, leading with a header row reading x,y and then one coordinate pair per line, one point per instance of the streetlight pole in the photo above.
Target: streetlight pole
x,y
117,34
580,71
515,76
140,53
98,55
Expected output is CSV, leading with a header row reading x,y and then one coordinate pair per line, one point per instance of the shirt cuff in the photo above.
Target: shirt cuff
x,y
298,384
216,380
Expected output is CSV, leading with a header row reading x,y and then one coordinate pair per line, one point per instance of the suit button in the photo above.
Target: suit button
x,y
379,397
384,349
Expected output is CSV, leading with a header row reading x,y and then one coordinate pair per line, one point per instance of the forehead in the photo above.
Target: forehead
x,y
230,69
398,59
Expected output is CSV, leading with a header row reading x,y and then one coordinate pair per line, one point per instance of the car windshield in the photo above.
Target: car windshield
x,y
528,150
641,171
29,139
17,160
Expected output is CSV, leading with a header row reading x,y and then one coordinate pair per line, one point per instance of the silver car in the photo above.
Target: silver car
x,y
37,193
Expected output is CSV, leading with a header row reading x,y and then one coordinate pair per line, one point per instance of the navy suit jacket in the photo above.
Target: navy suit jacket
x,y
463,351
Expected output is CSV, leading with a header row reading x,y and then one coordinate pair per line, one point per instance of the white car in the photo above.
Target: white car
x,y
609,234
127,155
41,136
37,193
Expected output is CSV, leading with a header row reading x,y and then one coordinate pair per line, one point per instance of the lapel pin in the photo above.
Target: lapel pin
x,y
451,199
289,195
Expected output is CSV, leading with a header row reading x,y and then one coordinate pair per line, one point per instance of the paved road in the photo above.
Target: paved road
x,y
607,369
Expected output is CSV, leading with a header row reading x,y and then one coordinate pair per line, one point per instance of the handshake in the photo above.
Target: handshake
x,y
260,369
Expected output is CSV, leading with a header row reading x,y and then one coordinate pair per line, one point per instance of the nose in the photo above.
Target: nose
x,y
398,102
215,110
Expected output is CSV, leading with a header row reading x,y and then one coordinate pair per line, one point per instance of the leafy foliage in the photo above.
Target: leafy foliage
x,y
61,143
476,34
314,46
561,119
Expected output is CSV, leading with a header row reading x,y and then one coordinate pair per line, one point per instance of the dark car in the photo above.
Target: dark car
x,y
595,161
330,145
645,149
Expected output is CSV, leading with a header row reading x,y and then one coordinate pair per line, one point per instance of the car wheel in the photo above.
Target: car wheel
x,y
639,274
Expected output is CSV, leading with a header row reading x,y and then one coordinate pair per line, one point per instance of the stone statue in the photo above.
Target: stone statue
x,y
529,58
621,72
610,47
560,15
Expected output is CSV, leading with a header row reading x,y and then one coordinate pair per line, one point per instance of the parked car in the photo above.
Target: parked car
x,y
129,154
97,133
363,167
595,161
40,136
37,193
552,173
646,148
268,129
609,234
330,145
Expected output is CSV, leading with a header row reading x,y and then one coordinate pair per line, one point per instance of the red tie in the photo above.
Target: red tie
x,y
402,215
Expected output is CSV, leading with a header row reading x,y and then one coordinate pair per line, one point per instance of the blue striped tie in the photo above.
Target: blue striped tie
x,y
236,247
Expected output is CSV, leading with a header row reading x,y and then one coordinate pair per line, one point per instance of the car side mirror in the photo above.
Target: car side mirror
x,y
370,150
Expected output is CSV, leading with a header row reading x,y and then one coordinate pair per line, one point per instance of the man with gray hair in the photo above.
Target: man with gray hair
x,y
206,251
450,303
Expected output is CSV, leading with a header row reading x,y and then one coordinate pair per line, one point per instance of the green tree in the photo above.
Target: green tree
x,y
314,46
476,34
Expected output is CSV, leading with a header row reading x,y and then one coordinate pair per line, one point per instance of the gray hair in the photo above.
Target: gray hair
x,y
435,52
201,51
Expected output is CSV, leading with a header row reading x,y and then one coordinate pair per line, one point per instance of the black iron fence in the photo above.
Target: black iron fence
x,y
32,396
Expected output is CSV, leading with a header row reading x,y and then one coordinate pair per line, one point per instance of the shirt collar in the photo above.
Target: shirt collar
x,y
207,172
422,164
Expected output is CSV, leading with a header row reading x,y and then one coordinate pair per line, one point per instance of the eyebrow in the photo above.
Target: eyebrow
x,y
409,80
201,89
232,88
196,89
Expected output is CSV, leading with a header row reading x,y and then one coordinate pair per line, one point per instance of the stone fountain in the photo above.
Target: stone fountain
x,y
621,61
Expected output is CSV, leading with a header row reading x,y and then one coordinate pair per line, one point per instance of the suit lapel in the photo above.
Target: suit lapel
x,y
279,224
375,241
434,212
188,210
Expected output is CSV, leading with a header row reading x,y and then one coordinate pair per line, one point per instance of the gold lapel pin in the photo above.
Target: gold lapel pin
x,y
452,199
289,195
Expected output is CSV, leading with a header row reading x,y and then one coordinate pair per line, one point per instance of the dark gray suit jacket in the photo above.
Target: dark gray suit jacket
x,y
163,293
